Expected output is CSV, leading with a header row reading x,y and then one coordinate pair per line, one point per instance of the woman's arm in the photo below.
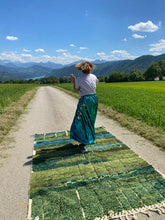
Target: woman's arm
x,y
74,81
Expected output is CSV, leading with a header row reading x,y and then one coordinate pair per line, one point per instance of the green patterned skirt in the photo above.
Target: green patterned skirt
x,y
82,128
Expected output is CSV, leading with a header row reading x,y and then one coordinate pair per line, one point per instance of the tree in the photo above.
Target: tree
x,y
30,81
65,79
106,79
136,75
101,78
161,64
125,77
155,70
115,77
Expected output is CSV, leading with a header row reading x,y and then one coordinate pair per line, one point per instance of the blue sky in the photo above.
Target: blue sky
x,y
65,31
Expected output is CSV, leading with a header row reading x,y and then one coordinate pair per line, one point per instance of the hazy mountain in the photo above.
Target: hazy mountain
x,y
99,61
32,70
9,65
51,65
106,68
7,73
30,64
3,62
66,71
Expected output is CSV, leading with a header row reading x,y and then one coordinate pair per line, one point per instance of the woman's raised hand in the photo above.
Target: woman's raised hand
x,y
73,77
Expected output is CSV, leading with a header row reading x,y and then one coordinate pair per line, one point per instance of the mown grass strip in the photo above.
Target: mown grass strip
x,y
10,93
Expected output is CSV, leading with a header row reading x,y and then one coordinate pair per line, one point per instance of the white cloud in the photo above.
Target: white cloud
x,y
25,50
156,53
102,55
158,46
61,50
12,38
121,54
83,48
46,56
139,36
72,45
144,27
116,55
67,58
125,39
12,56
64,58
40,50
26,55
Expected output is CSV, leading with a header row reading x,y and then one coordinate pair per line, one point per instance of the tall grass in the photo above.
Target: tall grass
x,y
10,93
142,100
13,100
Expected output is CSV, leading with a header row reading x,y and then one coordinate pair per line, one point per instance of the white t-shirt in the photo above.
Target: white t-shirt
x,y
87,84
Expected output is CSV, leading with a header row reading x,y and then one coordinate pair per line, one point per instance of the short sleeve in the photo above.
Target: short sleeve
x,y
97,81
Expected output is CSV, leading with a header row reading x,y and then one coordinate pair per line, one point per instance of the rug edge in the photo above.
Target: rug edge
x,y
158,208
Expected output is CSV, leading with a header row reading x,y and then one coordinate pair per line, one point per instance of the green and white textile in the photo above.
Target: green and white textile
x,y
109,181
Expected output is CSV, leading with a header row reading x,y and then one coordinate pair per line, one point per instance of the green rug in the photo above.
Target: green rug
x,y
106,182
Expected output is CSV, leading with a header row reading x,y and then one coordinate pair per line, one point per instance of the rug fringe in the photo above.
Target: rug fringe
x,y
131,214
29,210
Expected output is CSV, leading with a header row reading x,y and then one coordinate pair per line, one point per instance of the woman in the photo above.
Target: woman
x,y
82,128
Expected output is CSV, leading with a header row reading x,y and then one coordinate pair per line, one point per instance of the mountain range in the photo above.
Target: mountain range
x,y
9,70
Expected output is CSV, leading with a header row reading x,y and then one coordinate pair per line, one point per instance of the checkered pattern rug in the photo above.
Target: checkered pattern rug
x,y
105,180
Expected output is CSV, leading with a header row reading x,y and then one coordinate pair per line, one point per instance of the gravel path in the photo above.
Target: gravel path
x,y
53,110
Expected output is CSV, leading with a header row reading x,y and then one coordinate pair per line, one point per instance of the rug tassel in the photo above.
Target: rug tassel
x,y
159,208
127,217
134,217
111,214
121,218
146,213
162,210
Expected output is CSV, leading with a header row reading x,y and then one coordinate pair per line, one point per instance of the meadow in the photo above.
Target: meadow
x,y
10,93
144,101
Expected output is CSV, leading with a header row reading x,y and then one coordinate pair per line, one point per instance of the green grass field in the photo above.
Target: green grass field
x,y
11,93
142,100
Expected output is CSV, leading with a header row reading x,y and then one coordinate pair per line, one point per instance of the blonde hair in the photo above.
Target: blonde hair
x,y
85,67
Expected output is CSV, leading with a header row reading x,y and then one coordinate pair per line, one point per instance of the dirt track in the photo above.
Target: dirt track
x,y
52,110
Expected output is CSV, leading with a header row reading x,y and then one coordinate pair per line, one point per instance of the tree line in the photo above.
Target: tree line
x,y
44,80
155,70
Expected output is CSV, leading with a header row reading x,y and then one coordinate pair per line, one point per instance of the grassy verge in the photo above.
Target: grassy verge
x,y
155,135
10,114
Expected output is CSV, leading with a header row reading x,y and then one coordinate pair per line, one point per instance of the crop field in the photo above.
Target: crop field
x,y
11,93
142,100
